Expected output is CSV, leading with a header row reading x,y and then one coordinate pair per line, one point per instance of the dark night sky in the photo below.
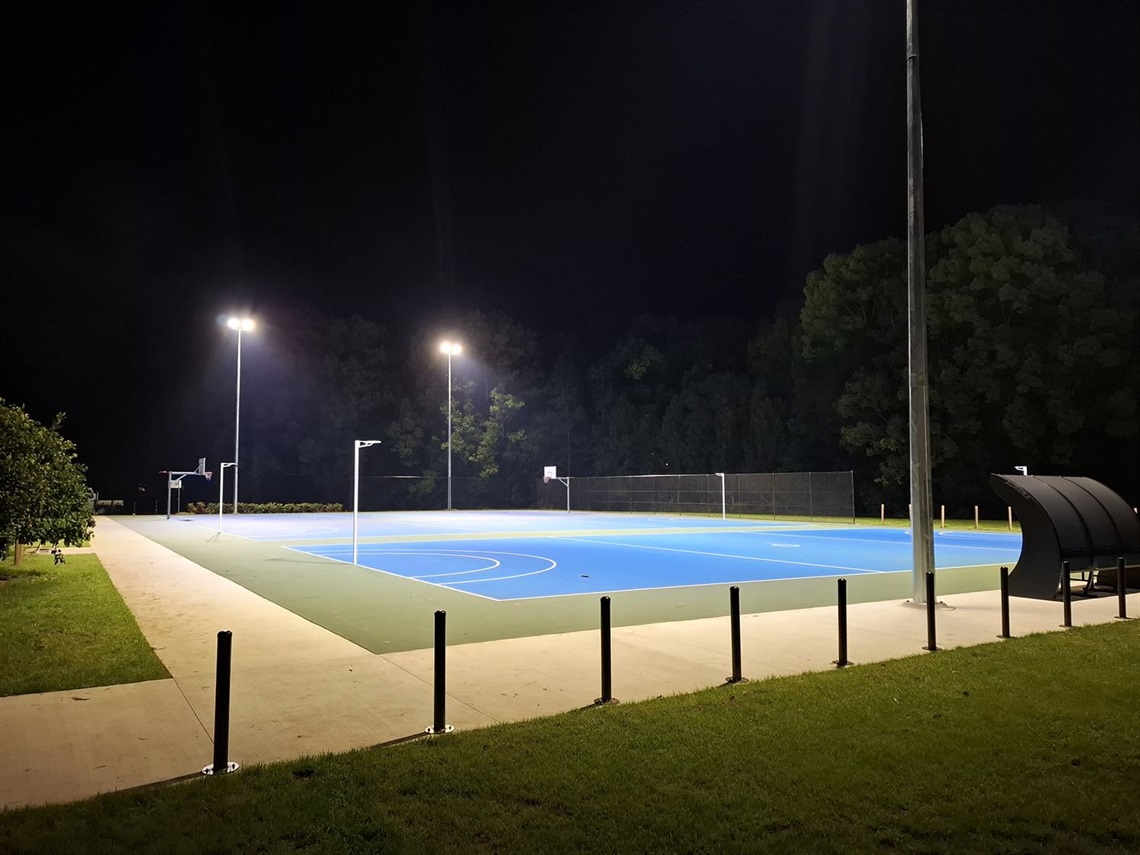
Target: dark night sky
x,y
573,164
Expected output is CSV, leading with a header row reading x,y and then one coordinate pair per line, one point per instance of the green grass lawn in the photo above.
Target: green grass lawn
x,y
1028,745
64,626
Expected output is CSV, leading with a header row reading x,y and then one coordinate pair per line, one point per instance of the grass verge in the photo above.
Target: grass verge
x,y
1030,745
66,627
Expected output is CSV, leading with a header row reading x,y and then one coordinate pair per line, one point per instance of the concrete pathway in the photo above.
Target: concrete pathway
x,y
301,690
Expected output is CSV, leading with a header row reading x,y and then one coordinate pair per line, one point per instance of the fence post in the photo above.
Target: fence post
x,y
734,620
842,601
1066,594
976,518
1004,603
222,764
607,674
931,640
1121,590
439,716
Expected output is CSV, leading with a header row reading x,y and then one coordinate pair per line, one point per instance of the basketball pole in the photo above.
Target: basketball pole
x,y
922,516
357,445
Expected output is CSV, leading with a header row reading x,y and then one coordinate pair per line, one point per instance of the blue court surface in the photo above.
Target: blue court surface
x,y
503,555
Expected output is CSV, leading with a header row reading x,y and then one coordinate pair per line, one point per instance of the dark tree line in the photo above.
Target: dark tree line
x,y
1033,361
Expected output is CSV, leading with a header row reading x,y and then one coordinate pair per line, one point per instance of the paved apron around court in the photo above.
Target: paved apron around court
x,y
300,690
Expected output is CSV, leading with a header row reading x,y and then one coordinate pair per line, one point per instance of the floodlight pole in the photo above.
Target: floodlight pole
x,y
723,504
922,514
357,445
449,430
238,324
449,347
222,491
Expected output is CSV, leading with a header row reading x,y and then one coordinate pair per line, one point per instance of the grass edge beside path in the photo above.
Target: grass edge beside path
x,y
1027,745
65,626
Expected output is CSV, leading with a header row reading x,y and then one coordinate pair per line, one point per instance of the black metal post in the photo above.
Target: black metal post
x,y
439,716
734,617
842,660
221,764
1005,602
1121,589
1066,593
607,674
931,640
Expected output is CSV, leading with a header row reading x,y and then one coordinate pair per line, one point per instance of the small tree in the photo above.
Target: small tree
x,y
43,493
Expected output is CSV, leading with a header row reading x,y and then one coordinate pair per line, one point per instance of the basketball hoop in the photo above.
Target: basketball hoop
x,y
545,479
209,476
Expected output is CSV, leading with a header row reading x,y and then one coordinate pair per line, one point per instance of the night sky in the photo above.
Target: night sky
x,y
572,164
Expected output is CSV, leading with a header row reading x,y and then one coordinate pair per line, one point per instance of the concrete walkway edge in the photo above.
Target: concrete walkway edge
x,y
300,690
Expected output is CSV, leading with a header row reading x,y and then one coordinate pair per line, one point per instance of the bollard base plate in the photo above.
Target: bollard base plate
x,y
603,701
431,731
732,681
225,770
842,664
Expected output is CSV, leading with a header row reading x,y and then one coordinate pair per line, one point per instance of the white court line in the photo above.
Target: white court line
x,y
895,542
724,555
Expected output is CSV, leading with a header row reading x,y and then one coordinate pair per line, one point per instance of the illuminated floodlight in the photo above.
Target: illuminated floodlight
x,y
451,348
245,324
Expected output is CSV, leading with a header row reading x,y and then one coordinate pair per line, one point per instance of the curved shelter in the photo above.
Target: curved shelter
x,y
1078,520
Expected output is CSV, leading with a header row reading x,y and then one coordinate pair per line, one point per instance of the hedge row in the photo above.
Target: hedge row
x,y
268,508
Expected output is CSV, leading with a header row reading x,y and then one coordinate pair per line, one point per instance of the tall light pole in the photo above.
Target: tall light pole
x,y
241,325
222,491
450,348
357,445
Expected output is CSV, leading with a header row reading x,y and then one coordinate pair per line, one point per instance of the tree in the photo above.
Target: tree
x,y
1030,359
43,494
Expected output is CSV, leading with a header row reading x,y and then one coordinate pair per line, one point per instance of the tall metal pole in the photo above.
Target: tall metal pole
x,y
237,422
356,446
449,429
355,493
922,513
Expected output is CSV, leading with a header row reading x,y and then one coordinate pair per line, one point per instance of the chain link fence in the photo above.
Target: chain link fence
x,y
807,495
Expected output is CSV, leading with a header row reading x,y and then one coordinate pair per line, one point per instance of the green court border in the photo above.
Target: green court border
x,y
386,614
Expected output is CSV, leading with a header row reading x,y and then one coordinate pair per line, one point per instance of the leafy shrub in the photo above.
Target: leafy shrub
x,y
269,507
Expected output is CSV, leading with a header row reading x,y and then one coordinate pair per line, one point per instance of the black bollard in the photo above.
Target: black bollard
x,y
1121,589
438,725
607,675
842,660
1066,594
931,640
734,618
221,764
1005,603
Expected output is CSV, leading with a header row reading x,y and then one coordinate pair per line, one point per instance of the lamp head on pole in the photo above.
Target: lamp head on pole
x,y
451,348
366,443
244,324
